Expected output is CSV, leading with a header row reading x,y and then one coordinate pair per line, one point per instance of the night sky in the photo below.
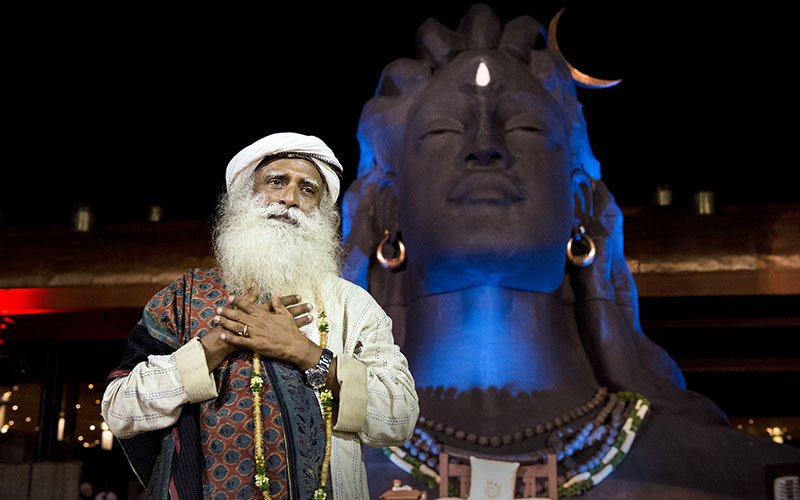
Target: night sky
x,y
121,105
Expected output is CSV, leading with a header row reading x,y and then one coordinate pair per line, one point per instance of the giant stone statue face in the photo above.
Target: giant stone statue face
x,y
477,154
483,187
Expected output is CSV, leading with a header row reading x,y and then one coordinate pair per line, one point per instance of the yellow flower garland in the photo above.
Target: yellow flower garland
x,y
326,399
256,385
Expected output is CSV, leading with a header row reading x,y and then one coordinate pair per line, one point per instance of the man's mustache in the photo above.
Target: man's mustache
x,y
292,215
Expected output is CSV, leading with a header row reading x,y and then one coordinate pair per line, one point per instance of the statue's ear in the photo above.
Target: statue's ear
x,y
386,205
581,188
368,208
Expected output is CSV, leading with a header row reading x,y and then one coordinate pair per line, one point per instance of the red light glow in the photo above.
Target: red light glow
x,y
15,301
18,301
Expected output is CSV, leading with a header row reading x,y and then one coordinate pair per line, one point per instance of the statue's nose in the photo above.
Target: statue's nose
x,y
486,152
485,157
486,149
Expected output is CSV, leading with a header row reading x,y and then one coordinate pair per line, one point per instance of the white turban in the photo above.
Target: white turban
x,y
310,147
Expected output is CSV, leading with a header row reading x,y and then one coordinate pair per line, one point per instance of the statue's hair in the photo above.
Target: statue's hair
x,y
384,116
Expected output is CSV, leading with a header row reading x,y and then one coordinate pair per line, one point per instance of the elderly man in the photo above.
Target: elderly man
x,y
233,387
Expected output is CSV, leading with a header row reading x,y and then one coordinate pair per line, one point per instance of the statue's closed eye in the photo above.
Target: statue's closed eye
x,y
442,125
523,123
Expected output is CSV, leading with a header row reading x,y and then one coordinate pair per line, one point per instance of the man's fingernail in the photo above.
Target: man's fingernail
x,y
216,318
219,310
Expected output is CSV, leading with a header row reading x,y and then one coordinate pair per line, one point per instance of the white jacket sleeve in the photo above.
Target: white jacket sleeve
x,y
151,396
377,399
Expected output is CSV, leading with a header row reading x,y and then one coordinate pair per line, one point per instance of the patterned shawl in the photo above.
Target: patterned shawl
x,y
215,437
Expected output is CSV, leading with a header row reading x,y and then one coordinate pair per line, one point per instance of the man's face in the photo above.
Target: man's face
x,y
483,189
257,238
290,182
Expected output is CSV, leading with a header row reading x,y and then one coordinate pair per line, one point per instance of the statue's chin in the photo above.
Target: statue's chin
x,y
541,272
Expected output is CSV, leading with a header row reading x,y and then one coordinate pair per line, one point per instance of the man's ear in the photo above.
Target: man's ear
x,y
581,190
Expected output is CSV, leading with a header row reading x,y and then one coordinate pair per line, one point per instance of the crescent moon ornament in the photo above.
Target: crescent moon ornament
x,y
580,78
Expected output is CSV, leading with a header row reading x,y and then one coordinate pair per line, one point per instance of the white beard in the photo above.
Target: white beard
x,y
252,246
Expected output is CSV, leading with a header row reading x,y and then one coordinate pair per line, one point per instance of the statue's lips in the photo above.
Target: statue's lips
x,y
485,187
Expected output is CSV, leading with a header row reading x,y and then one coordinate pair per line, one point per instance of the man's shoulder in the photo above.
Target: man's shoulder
x,y
343,286
194,276
352,293
188,284
213,274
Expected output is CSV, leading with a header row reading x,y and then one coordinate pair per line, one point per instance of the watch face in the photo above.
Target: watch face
x,y
316,378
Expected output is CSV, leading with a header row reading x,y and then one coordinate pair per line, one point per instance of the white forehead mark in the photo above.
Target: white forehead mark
x,y
482,76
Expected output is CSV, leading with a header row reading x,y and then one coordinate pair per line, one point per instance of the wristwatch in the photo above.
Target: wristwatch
x,y
317,376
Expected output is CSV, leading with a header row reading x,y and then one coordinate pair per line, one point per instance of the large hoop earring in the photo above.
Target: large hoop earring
x,y
394,262
586,259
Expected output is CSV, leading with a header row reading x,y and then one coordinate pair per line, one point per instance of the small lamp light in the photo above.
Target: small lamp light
x,y
703,202
155,213
61,424
662,196
106,438
83,219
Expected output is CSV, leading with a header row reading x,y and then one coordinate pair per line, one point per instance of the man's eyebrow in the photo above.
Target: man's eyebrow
x,y
272,174
277,174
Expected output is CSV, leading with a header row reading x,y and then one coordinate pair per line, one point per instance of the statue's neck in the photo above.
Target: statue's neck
x,y
491,346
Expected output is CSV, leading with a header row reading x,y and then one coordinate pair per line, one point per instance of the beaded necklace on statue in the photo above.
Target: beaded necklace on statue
x,y
326,400
602,441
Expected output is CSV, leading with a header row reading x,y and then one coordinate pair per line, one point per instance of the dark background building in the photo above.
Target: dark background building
x,y
126,104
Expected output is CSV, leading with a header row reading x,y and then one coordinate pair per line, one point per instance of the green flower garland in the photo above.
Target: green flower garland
x,y
256,386
326,401
416,467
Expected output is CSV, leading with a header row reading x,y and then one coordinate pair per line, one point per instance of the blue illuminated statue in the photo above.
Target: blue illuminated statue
x,y
475,158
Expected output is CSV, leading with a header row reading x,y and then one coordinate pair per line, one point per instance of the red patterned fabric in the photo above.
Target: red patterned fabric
x,y
226,423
